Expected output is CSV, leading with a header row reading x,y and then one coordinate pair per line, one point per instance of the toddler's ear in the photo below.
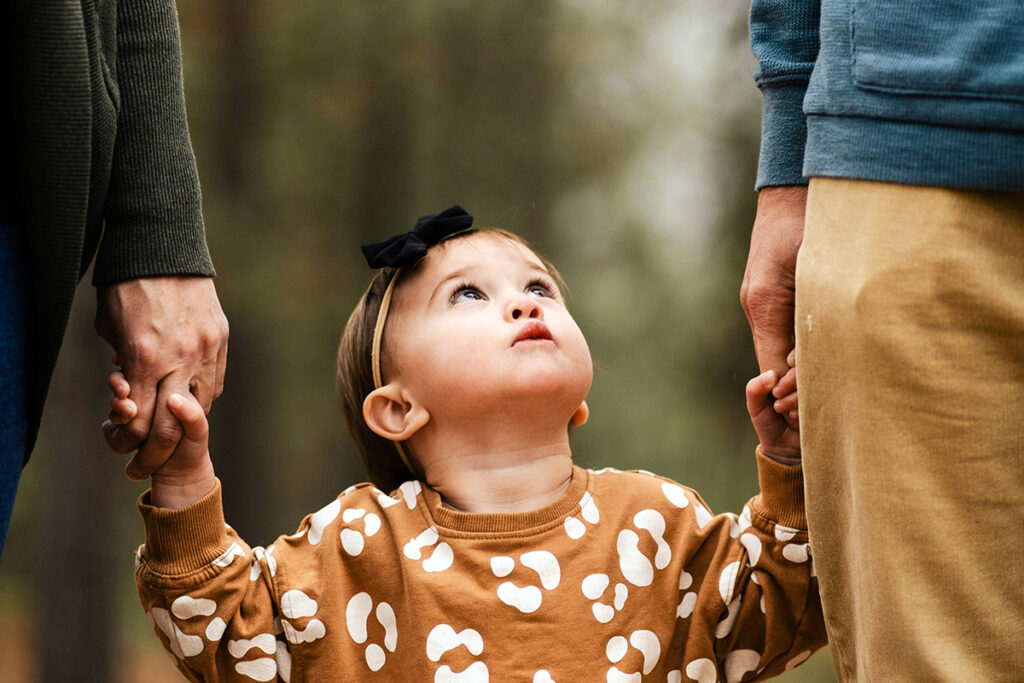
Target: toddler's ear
x,y
390,413
580,416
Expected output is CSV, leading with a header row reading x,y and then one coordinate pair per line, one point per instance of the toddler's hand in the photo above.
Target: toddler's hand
x,y
772,404
785,394
187,474
122,408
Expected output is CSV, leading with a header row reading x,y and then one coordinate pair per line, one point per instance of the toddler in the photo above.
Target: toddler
x,y
480,552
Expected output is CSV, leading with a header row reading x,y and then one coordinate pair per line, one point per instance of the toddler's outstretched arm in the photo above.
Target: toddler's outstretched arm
x,y
187,474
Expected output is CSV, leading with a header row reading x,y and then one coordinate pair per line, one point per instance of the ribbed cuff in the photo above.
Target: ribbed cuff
x,y
184,540
782,492
783,136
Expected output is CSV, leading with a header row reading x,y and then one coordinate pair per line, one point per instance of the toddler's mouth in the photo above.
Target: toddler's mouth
x,y
533,331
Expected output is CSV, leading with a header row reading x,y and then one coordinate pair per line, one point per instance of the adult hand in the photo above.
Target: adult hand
x,y
769,283
169,336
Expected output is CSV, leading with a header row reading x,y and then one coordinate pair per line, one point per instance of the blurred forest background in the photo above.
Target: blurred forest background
x,y
621,138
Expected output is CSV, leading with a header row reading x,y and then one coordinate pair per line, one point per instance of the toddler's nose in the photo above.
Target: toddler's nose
x,y
524,306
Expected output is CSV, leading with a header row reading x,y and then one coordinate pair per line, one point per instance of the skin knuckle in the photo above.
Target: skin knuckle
x,y
164,437
142,355
133,433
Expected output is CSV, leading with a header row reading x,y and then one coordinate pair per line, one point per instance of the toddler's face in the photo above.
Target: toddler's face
x,y
482,324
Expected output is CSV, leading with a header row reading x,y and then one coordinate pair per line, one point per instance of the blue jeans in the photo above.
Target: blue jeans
x,y
15,366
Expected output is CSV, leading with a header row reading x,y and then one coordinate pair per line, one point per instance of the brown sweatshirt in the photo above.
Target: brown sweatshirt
x,y
627,577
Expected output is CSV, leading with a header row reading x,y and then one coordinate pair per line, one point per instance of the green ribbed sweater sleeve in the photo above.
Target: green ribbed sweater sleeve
x,y
153,216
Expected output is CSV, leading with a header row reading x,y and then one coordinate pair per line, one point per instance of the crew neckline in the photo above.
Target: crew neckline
x,y
515,523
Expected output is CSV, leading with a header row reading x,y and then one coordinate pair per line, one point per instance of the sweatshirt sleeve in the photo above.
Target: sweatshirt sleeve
x,y
208,596
749,598
784,38
153,216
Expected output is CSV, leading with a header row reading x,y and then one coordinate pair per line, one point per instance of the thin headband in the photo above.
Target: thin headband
x,y
402,250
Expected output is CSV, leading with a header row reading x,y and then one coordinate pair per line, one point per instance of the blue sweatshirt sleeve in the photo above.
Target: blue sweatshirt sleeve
x,y
784,38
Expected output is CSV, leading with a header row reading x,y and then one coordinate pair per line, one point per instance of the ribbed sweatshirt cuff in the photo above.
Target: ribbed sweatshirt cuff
x,y
184,540
782,492
783,136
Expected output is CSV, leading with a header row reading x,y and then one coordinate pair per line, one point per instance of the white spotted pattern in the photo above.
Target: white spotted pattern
x,y
675,494
228,556
528,598
295,605
264,642
443,638
727,581
284,662
702,670
740,662
502,566
796,552
186,607
644,641
314,630
357,613
442,557
753,545
215,629
263,669
320,519
180,644
724,627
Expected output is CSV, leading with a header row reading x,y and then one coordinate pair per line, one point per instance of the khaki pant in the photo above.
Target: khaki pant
x,y
910,347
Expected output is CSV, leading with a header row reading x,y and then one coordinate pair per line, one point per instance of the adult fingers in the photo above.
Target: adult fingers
x,y
767,291
767,296
207,372
202,384
222,366
165,431
771,321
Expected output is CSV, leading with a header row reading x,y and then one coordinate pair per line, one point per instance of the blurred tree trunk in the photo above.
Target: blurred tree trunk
x,y
77,554
383,163
240,450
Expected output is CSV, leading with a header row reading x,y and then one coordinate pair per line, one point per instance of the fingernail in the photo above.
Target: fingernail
x,y
778,406
174,400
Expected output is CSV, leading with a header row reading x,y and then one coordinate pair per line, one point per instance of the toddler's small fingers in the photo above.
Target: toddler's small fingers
x,y
759,391
791,358
119,385
786,404
190,413
759,387
786,385
122,410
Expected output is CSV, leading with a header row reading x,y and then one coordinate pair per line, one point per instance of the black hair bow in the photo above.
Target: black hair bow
x,y
409,247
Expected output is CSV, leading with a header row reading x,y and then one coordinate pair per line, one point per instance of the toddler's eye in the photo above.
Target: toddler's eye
x,y
539,288
466,293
